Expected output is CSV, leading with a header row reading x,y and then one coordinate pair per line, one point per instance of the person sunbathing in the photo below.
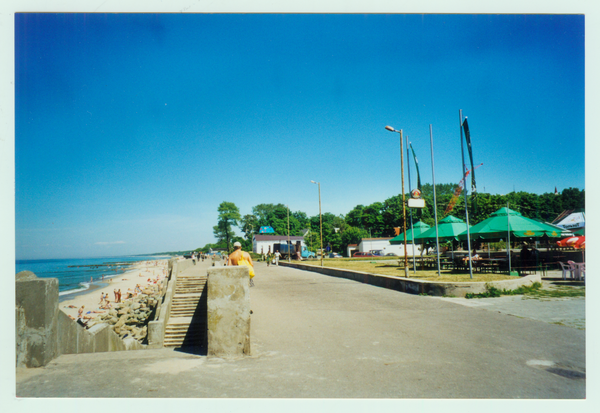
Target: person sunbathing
x,y
70,306
80,312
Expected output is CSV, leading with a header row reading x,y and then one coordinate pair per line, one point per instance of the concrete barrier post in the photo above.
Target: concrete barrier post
x,y
228,311
36,320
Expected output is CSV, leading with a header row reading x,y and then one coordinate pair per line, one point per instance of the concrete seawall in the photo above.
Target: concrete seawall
x,y
43,332
408,285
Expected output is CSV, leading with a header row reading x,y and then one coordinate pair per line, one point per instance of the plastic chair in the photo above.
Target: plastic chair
x,y
565,268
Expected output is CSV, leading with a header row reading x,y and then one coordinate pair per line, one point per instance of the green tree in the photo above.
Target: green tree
x,y
276,216
250,225
352,235
229,215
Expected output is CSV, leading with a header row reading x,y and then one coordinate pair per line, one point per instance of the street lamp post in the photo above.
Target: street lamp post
x,y
403,200
320,220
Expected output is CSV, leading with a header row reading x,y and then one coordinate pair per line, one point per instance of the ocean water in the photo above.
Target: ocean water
x,y
74,275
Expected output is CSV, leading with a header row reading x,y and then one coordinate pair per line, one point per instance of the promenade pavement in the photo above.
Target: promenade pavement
x,y
315,336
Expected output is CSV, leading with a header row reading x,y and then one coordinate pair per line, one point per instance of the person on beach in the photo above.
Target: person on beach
x,y
238,255
116,295
80,312
269,259
119,296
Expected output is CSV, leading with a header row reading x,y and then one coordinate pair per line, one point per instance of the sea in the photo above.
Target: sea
x,y
79,275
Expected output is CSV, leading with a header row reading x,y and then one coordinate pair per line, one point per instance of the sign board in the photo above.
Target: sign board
x,y
416,203
415,193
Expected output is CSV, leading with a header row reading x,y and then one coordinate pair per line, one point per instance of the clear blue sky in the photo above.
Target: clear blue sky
x,y
132,129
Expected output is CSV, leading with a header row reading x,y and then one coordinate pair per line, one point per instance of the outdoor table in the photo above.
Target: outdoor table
x,y
579,269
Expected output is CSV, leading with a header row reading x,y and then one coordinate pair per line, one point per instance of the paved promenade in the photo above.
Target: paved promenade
x,y
315,336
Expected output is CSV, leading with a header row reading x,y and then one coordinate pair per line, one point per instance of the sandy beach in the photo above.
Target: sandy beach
x,y
143,273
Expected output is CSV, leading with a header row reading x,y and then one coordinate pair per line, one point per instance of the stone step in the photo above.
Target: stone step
x,y
184,334
188,303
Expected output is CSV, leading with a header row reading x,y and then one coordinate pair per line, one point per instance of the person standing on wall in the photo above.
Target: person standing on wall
x,y
239,257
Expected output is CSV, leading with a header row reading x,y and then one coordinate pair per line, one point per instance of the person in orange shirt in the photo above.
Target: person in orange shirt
x,y
237,255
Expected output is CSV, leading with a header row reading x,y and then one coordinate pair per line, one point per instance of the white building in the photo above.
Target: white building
x,y
370,244
264,243
383,244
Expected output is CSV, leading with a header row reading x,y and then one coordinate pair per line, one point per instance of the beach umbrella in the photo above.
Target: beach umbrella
x,y
562,231
266,230
417,228
575,242
496,227
448,230
567,242
580,232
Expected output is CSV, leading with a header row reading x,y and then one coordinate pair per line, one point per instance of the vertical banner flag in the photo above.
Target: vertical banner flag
x,y
416,166
473,186
458,191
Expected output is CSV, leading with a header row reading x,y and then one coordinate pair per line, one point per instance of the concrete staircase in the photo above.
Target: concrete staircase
x,y
187,320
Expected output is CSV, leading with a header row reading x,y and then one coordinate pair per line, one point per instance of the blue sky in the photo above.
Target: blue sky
x,y
130,130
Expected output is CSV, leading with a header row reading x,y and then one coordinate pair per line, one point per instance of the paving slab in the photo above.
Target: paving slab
x,y
315,336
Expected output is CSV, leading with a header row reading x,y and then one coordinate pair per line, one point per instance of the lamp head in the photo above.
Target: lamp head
x,y
390,129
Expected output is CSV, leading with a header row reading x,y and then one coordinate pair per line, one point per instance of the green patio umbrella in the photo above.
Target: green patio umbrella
x,y
417,228
560,230
496,227
580,232
448,230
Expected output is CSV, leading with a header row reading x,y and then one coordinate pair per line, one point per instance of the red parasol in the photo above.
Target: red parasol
x,y
580,244
570,241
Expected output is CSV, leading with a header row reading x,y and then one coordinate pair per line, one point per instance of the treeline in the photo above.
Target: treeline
x,y
380,218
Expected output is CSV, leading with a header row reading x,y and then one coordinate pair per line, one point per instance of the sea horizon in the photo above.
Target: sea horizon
x,y
78,275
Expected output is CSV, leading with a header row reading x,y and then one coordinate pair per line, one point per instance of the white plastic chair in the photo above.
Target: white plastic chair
x,y
565,268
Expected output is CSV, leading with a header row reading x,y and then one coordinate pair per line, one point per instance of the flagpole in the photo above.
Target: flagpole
x,y
464,174
412,231
508,245
437,241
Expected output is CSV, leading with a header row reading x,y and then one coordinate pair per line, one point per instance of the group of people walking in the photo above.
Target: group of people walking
x,y
271,258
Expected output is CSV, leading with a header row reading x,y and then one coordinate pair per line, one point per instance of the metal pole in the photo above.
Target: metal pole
x,y
321,223
412,231
508,244
289,245
437,241
464,173
403,205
